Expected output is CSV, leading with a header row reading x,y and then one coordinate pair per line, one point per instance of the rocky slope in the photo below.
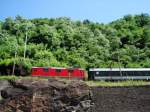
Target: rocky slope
x,y
45,96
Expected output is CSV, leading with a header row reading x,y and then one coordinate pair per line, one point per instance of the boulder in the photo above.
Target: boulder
x,y
50,95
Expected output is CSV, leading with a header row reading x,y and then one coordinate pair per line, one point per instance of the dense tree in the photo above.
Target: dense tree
x,y
63,42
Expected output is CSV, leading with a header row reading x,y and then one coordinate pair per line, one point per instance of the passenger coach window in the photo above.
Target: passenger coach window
x,y
45,69
97,73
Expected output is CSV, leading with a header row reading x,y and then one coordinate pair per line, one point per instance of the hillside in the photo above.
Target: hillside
x,y
62,42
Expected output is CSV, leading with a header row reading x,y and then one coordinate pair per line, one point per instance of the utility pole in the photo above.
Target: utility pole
x,y
27,26
14,65
25,46
119,65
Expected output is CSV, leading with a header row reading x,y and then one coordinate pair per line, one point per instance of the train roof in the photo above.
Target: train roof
x,y
59,68
119,69
51,67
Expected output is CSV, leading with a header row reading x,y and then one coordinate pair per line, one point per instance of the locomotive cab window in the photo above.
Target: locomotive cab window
x,y
34,70
70,70
45,69
58,70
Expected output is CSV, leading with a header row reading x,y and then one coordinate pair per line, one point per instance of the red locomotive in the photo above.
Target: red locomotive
x,y
59,72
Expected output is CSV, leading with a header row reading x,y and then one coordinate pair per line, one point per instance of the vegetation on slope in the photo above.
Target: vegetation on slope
x,y
62,42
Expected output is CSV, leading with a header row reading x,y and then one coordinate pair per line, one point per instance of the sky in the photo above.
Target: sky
x,y
102,11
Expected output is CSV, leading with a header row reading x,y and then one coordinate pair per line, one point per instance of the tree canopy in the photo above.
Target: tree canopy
x,y
62,42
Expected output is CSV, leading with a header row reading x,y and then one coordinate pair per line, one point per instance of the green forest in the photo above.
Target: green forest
x,y
62,42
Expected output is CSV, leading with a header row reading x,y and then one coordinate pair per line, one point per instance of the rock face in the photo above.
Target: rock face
x,y
46,96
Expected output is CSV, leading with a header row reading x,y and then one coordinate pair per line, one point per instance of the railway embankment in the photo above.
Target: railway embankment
x,y
53,95
121,99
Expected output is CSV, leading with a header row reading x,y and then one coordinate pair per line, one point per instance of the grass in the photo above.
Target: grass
x,y
11,77
90,83
118,83
8,77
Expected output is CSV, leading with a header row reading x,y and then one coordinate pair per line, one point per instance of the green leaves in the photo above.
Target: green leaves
x,y
63,42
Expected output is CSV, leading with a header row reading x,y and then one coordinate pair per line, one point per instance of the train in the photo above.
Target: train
x,y
119,73
71,73
93,73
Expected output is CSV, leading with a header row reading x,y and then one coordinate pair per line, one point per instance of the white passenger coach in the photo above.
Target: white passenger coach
x,y
119,73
